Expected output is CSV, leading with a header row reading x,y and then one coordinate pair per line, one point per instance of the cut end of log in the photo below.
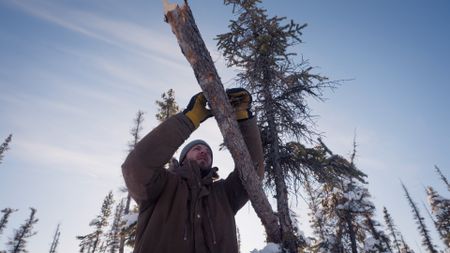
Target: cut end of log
x,y
168,6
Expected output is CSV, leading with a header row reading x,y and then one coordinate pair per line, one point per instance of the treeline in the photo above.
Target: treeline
x,y
19,240
114,227
342,216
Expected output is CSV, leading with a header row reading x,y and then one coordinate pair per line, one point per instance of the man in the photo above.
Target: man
x,y
182,209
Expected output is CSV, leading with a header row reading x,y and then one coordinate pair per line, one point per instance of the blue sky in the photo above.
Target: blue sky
x,y
73,75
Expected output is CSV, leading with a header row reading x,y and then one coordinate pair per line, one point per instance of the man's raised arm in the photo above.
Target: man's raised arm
x,y
143,169
241,101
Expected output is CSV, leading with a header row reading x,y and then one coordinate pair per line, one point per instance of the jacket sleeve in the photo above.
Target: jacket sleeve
x,y
143,169
237,195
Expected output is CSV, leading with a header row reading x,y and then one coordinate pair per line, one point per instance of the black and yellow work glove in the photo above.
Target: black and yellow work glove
x,y
196,110
241,100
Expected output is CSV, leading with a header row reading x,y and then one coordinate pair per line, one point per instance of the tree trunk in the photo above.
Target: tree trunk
x,y
392,231
122,233
378,236
338,245
426,239
194,49
55,241
288,237
351,232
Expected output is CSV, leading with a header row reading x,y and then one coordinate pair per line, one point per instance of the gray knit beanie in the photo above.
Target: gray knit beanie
x,y
188,147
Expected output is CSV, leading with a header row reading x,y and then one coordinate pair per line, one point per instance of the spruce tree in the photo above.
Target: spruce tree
x,y
350,204
135,132
130,226
4,220
347,204
342,214
320,225
379,241
440,208
55,241
348,217
342,210
393,231
114,235
443,178
4,147
19,242
101,222
86,242
420,221
93,241
167,106
259,46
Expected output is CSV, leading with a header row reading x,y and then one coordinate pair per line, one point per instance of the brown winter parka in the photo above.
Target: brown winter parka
x,y
180,212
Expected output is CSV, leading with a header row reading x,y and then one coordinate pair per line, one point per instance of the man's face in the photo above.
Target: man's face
x,y
201,155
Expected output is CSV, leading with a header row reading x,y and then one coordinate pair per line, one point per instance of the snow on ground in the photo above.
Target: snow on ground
x,y
130,219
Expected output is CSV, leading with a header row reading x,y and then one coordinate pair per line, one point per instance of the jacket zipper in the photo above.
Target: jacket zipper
x,y
211,226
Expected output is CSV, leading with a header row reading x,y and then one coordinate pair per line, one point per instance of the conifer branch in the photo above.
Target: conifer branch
x,y
4,147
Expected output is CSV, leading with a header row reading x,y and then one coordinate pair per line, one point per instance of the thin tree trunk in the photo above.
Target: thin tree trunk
x,y
392,231
351,232
377,235
443,178
25,232
95,243
19,242
314,206
55,241
122,234
287,231
194,49
436,225
338,245
288,238
426,239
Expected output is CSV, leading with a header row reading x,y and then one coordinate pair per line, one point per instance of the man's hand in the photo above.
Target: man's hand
x,y
196,110
241,101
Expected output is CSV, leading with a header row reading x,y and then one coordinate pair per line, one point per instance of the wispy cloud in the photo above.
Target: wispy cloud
x,y
21,102
123,74
127,35
48,155
144,41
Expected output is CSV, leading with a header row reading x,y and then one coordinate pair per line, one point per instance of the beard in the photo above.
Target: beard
x,y
203,165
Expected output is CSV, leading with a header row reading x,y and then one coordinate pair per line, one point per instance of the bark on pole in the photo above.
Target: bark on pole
x,y
194,49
